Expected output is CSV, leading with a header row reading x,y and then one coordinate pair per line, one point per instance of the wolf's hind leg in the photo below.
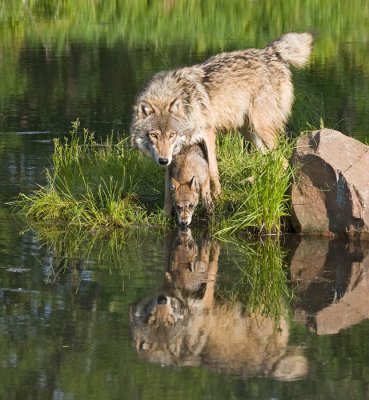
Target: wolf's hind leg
x,y
254,139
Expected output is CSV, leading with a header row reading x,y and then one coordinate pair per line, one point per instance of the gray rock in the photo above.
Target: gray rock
x,y
331,193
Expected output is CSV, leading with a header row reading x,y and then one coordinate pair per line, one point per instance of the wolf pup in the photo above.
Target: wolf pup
x,y
189,181
249,90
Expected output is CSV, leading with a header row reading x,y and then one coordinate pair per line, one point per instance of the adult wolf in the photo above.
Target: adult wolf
x,y
250,90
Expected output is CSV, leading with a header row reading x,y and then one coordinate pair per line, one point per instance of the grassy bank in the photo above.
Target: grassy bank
x,y
255,187
94,184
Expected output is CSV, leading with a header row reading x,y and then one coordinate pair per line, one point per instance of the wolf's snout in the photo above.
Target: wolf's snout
x,y
161,299
184,224
163,161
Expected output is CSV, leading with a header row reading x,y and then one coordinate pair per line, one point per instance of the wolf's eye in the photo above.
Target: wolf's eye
x,y
178,207
153,135
172,134
190,206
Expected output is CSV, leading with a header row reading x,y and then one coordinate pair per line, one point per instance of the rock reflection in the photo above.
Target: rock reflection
x,y
331,279
184,324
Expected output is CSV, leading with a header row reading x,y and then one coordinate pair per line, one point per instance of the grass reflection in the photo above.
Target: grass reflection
x,y
258,282
73,248
261,283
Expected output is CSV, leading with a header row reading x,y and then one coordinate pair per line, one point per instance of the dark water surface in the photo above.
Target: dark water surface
x,y
147,314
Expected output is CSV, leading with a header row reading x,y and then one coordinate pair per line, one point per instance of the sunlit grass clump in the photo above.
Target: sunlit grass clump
x,y
108,184
255,187
97,185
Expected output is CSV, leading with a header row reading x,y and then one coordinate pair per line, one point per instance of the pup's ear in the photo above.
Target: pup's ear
x,y
192,183
175,106
174,185
145,109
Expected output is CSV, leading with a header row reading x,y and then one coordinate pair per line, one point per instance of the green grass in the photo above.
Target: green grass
x,y
96,185
259,205
105,185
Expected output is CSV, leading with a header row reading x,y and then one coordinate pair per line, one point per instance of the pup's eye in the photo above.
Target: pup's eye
x,y
190,206
153,135
178,207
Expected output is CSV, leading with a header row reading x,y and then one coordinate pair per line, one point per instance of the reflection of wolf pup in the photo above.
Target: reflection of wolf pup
x,y
183,325
191,266
189,180
246,88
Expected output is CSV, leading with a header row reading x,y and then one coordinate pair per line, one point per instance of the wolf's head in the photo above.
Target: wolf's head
x,y
185,197
157,128
162,331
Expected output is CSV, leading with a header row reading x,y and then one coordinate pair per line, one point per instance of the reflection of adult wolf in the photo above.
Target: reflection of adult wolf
x,y
228,91
183,325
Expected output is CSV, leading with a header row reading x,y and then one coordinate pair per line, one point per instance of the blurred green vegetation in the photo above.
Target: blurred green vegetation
x,y
78,44
205,24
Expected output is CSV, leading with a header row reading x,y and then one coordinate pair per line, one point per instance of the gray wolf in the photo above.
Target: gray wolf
x,y
184,324
248,90
189,181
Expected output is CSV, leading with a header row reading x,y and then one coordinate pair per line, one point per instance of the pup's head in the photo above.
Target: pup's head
x,y
185,197
156,128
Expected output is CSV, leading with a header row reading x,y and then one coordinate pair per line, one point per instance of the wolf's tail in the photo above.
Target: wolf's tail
x,y
294,48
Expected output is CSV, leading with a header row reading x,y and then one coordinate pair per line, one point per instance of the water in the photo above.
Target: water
x,y
73,304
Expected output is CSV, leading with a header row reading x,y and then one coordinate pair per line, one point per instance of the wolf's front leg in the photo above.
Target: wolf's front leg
x,y
208,203
209,139
206,197
168,205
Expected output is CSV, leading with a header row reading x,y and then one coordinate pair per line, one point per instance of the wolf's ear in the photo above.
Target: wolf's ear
x,y
145,109
174,185
175,106
192,183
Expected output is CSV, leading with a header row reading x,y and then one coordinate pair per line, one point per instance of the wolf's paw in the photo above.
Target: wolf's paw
x,y
216,190
208,204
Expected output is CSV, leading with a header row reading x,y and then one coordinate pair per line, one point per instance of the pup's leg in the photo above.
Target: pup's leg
x,y
168,205
209,139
